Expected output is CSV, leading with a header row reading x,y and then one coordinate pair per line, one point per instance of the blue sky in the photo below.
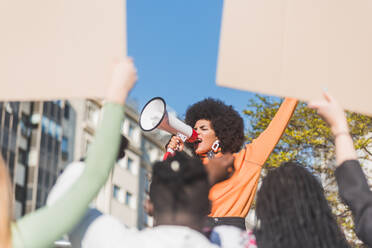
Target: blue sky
x,y
175,46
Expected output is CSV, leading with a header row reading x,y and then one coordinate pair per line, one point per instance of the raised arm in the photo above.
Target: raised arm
x,y
352,183
265,143
41,228
334,115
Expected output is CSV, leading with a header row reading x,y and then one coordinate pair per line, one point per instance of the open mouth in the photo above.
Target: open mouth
x,y
197,142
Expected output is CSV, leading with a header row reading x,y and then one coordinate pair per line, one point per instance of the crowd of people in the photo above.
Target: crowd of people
x,y
200,200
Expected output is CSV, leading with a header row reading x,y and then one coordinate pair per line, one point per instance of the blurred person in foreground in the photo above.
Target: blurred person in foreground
x,y
46,225
352,183
291,207
179,201
292,211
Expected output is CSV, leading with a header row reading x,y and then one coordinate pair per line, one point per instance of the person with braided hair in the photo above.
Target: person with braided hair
x,y
292,211
220,130
352,183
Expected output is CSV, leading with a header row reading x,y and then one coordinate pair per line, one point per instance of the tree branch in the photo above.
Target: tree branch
x,y
367,151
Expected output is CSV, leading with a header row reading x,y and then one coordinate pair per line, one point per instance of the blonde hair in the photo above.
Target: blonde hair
x,y
5,206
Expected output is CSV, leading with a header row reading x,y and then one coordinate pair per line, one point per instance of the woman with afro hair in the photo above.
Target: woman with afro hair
x,y
221,130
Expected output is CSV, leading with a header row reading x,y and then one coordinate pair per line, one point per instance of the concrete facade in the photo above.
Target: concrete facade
x,y
124,193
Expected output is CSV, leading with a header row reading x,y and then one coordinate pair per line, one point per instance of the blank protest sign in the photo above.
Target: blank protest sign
x,y
59,49
298,48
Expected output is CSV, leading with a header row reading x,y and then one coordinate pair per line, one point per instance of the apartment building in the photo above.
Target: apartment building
x,y
14,143
124,193
39,139
33,141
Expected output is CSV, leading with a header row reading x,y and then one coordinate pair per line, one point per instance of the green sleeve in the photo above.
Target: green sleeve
x,y
46,225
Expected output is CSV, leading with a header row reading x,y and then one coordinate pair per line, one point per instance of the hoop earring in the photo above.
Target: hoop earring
x,y
215,146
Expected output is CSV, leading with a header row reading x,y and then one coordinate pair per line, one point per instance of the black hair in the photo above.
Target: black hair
x,y
124,142
292,211
180,185
226,122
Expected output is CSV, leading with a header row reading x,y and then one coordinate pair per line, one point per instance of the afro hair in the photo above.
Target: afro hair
x,y
226,122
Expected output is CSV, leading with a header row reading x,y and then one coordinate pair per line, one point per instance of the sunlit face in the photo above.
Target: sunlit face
x,y
206,136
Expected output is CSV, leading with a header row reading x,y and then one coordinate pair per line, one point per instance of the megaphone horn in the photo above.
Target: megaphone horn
x,y
154,115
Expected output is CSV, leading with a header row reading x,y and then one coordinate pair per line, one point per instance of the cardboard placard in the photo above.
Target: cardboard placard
x,y
59,49
298,48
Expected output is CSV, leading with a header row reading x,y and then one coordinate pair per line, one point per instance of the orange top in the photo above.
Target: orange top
x,y
233,197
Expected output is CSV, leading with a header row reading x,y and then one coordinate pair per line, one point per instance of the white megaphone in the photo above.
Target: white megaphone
x,y
155,115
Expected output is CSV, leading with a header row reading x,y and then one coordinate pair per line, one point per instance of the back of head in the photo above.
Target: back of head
x,y
293,212
124,142
226,122
5,206
180,186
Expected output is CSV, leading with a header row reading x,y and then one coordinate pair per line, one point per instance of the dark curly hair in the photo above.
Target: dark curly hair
x,y
293,211
226,122
180,189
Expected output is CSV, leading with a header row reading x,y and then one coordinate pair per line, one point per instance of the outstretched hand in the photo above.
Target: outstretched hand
x,y
332,112
124,77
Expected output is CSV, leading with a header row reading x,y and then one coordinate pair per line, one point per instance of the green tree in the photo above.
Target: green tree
x,y
308,140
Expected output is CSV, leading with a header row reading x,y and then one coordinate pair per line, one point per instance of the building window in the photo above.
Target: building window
x,y
147,183
15,124
11,164
56,114
20,193
47,108
92,113
7,119
40,177
25,130
4,153
44,124
47,178
49,143
58,102
43,143
5,140
22,156
118,194
51,128
64,148
58,132
130,164
128,199
131,130
15,107
66,113
38,198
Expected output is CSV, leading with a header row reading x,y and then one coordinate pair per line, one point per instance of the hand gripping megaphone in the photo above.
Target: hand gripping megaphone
x,y
155,115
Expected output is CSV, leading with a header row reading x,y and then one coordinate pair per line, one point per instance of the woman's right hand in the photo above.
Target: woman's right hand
x,y
124,77
332,113
176,144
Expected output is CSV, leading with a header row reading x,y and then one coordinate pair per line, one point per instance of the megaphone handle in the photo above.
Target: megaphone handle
x,y
169,152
